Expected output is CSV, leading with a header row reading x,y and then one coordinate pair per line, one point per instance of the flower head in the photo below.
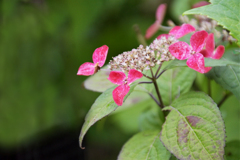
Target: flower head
x,y
160,13
181,50
119,78
99,58
209,49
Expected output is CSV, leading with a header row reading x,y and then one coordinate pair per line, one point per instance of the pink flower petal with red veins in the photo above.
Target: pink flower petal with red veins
x,y
160,13
163,35
196,62
117,77
205,53
180,50
200,4
185,29
174,30
86,69
210,44
100,55
198,39
119,93
133,75
219,52
152,30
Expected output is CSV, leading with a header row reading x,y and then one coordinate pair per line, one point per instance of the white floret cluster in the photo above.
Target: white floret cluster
x,y
143,58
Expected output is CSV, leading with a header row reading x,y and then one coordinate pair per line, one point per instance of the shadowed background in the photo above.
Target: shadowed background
x,y
42,101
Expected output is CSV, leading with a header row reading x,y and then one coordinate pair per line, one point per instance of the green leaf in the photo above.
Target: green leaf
x,y
175,82
99,82
232,150
230,110
194,128
228,76
226,13
102,107
143,146
127,118
151,118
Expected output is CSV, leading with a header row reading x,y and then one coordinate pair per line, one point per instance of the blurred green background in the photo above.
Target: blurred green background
x,y
42,44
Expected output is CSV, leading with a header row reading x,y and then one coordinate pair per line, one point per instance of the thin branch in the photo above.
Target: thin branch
x,y
160,73
158,70
145,82
147,76
140,37
157,89
165,28
224,98
154,98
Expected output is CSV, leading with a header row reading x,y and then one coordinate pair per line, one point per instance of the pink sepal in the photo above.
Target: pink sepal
x,y
219,52
163,35
152,29
198,39
160,13
117,77
196,62
180,50
86,69
133,75
99,55
205,53
119,93
200,4
210,44
180,31
174,30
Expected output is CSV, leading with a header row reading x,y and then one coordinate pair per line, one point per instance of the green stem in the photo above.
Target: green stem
x,y
209,88
156,88
141,39
224,98
158,69
165,28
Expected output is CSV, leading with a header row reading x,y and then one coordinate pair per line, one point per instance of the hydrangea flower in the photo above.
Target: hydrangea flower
x,y
99,58
160,13
209,51
119,78
179,31
182,51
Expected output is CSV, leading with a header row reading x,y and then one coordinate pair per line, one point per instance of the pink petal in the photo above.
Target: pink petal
x,y
152,30
174,30
86,69
119,93
185,29
210,44
117,77
200,4
160,13
198,39
205,53
219,52
163,35
133,75
100,55
180,50
196,62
